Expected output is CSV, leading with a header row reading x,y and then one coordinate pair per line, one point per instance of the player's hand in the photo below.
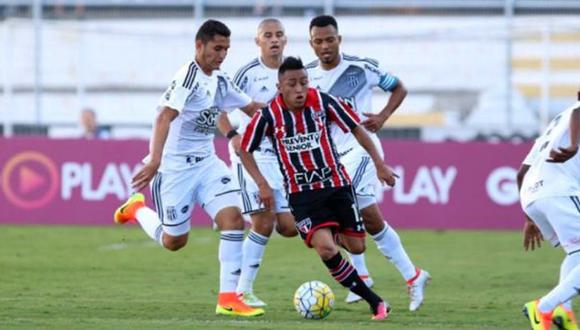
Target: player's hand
x,y
562,154
266,196
387,175
374,122
145,175
532,236
236,142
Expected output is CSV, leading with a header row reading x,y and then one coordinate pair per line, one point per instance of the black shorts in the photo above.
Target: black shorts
x,y
329,207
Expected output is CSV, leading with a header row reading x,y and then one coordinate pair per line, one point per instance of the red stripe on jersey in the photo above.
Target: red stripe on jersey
x,y
248,138
286,163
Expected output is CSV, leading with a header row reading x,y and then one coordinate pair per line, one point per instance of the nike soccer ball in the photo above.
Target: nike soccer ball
x,y
314,300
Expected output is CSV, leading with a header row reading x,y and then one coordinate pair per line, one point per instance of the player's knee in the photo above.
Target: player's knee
x,y
174,243
326,251
230,219
357,248
263,225
286,230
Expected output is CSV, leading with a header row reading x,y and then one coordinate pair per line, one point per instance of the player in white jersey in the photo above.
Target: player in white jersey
x,y
353,78
258,79
185,168
549,182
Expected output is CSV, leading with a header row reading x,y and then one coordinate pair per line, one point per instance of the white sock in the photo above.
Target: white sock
x,y
253,252
359,263
230,257
390,245
149,221
567,265
568,287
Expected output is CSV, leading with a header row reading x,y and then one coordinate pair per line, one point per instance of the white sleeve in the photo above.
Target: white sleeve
x,y
181,88
234,97
377,76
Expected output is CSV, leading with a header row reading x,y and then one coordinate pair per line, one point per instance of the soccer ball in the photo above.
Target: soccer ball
x,y
314,300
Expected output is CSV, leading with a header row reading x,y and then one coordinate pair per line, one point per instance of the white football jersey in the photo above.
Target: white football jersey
x,y
259,82
545,179
353,80
199,98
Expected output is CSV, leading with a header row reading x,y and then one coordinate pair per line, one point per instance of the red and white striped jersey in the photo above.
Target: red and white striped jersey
x,y
306,153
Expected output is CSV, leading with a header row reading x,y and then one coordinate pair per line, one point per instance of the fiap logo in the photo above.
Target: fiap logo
x,y
30,180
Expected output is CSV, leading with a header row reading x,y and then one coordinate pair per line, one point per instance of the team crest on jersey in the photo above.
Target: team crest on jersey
x,y
352,80
304,225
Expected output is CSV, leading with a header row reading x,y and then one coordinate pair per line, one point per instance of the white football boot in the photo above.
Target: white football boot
x,y
416,289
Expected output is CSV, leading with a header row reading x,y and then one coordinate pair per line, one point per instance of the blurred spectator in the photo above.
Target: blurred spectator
x,y
90,128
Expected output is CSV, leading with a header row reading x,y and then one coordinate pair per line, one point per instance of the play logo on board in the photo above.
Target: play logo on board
x,y
30,180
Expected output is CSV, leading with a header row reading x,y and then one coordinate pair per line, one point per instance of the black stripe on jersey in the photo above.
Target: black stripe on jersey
x,y
576,202
311,65
243,70
371,61
190,76
290,125
310,124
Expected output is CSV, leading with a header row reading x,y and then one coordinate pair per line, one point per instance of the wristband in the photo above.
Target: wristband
x,y
231,134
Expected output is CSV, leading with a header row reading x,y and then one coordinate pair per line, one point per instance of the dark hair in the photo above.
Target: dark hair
x,y
290,63
322,21
210,28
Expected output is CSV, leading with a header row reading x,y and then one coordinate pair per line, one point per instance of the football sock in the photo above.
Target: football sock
x,y
149,221
359,263
253,251
389,243
230,257
564,291
568,264
345,274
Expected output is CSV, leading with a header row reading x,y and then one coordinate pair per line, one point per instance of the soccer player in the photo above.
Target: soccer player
x,y
258,79
185,169
353,78
321,198
549,183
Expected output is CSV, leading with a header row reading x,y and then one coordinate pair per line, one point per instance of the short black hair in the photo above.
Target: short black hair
x,y
322,21
211,28
290,63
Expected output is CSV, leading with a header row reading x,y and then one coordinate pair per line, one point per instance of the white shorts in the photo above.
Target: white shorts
x,y
363,174
207,182
250,194
559,220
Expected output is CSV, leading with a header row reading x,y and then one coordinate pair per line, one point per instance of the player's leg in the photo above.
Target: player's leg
x,y
170,192
344,273
285,224
220,199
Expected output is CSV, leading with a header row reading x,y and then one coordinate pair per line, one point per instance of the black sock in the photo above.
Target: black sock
x,y
345,274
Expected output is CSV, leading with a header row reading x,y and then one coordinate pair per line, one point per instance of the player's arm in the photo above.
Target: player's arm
x,y
532,235
160,132
225,127
251,108
387,83
564,154
251,140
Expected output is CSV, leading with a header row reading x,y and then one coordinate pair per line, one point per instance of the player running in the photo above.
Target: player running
x,y
549,182
258,79
353,78
185,169
297,122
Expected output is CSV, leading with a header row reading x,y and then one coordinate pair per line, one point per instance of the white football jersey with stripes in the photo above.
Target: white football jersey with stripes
x,y
199,98
259,82
353,80
545,179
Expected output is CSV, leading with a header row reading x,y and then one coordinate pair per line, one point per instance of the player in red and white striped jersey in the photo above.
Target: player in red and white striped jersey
x,y
321,197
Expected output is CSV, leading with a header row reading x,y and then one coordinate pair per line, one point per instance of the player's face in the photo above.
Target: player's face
x,y
271,39
213,53
293,85
326,43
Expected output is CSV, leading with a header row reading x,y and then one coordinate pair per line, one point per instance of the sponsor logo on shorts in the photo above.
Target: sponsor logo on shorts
x,y
302,142
171,213
535,187
226,180
304,225
185,209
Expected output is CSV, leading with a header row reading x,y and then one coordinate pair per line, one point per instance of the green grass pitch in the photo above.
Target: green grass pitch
x,y
56,277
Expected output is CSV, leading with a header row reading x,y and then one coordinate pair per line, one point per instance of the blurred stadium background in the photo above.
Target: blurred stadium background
x,y
484,77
